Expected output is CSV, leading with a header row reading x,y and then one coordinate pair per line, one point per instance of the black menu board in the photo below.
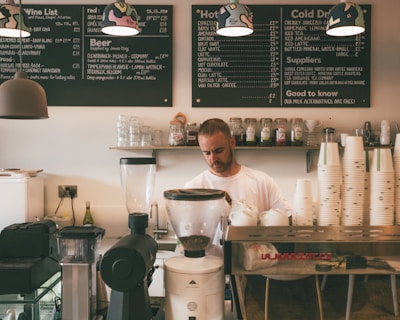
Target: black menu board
x,y
78,65
288,61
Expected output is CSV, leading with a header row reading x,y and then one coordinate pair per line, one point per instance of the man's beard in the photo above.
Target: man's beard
x,y
221,167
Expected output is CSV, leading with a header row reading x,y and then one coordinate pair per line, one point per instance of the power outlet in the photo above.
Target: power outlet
x,y
67,191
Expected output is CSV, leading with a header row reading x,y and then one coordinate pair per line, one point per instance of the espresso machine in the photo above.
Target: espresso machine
x,y
194,282
128,266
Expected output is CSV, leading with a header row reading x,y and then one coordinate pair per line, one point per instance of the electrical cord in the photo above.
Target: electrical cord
x,y
59,204
72,207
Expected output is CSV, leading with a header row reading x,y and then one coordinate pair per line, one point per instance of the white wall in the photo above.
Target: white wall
x,y
72,146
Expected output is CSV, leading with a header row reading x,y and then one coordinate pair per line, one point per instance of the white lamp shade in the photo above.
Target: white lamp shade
x,y
235,20
345,19
120,19
22,98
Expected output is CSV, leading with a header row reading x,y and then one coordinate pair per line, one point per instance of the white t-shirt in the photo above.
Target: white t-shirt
x,y
248,185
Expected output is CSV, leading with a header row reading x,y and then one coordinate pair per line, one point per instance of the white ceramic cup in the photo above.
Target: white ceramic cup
x,y
242,219
274,217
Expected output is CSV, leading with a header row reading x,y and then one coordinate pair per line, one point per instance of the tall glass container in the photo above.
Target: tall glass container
x,y
137,182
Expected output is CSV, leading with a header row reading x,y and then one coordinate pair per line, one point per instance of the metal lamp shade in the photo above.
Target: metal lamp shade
x,y
345,19
10,21
22,98
120,19
235,20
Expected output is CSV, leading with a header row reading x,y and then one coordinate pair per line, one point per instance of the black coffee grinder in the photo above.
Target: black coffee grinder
x,y
128,266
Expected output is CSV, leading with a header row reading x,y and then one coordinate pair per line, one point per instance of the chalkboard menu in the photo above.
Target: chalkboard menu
x,y
288,61
78,65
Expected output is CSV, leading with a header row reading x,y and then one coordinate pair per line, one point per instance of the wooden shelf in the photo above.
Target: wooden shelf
x,y
309,150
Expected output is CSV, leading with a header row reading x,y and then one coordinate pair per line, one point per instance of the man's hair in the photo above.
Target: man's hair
x,y
211,126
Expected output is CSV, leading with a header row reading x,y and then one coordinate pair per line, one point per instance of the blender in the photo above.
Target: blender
x,y
194,281
128,266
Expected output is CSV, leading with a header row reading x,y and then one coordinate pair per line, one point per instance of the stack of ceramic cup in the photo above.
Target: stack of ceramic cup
x,y
353,182
381,188
396,167
303,203
329,181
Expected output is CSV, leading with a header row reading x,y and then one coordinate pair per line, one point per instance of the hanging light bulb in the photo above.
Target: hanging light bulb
x,y
234,20
345,19
13,21
22,98
120,19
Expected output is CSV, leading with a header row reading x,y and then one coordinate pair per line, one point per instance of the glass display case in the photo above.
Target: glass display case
x,y
38,305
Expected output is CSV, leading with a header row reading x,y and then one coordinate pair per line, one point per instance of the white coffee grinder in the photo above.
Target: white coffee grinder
x,y
194,282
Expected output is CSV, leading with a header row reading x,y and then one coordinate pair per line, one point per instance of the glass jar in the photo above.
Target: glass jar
x,y
328,135
176,134
251,132
192,131
281,132
235,124
266,134
296,133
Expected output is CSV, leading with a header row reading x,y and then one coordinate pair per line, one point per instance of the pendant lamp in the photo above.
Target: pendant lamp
x,y
120,19
235,20
22,98
345,19
13,21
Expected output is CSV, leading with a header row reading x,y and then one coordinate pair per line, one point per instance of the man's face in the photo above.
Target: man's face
x,y
218,152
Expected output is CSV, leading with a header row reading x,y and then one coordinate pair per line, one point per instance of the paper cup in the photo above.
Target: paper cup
x,y
329,154
354,148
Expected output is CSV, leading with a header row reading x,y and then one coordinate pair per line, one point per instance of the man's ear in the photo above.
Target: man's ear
x,y
233,142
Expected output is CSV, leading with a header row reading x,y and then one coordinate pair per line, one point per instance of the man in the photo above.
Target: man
x,y
224,173
243,184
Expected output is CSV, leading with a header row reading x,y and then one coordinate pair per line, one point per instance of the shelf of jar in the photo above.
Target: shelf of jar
x,y
309,150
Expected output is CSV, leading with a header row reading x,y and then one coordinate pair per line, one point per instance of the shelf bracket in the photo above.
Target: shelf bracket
x,y
309,158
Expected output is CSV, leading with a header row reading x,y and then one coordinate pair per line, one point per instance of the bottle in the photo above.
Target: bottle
x,y
297,132
88,219
367,134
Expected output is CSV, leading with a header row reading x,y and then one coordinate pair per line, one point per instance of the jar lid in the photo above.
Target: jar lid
x,y
328,130
176,123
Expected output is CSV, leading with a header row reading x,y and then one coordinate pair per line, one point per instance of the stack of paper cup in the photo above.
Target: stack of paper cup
x,y
366,189
396,167
303,203
382,188
329,181
353,182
